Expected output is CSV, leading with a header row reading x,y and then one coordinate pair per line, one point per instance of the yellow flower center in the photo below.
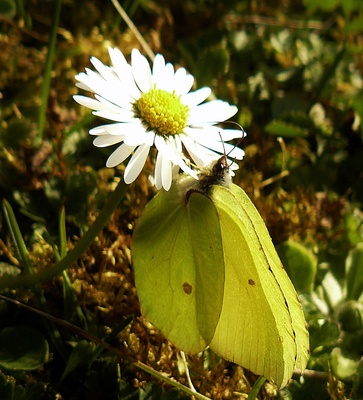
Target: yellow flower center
x,y
162,112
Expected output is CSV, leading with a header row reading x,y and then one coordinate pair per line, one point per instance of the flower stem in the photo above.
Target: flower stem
x,y
11,282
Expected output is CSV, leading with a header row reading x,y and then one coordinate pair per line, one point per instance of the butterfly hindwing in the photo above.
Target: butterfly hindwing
x,y
262,326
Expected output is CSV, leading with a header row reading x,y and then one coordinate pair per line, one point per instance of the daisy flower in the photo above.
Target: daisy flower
x,y
154,107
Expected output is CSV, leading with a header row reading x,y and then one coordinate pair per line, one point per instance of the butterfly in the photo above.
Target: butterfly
x,y
207,274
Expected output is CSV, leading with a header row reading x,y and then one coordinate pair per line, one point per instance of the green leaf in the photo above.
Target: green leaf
x,y
281,128
352,342
17,236
151,391
115,331
354,227
22,348
14,389
256,388
357,390
300,265
343,365
9,390
8,9
355,26
332,288
358,107
354,273
350,5
325,5
211,64
81,356
350,316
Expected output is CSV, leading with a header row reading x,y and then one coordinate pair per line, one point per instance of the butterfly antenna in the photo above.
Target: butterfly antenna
x,y
244,134
224,147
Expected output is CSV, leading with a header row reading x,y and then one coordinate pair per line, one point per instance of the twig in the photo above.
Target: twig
x,y
134,29
267,21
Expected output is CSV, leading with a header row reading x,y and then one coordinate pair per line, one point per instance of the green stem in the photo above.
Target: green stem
x,y
256,388
29,270
170,381
11,282
17,237
48,68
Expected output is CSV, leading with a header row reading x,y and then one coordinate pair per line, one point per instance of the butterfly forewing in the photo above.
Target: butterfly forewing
x,y
178,268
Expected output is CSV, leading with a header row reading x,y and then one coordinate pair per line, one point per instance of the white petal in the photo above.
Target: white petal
x,y
201,155
166,173
165,150
226,148
115,107
119,155
235,153
115,128
169,150
157,172
112,91
107,140
103,70
141,71
158,69
83,78
136,164
212,138
168,81
166,78
139,136
183,82
89,102
213,111
192,99
95,82
115,94
175,145
124,72
118,61
204,133
188,170
113,116
125,129
229,134
82,86
98,131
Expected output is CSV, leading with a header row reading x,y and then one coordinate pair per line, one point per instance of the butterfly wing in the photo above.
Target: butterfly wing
x,y
261,326
178,263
